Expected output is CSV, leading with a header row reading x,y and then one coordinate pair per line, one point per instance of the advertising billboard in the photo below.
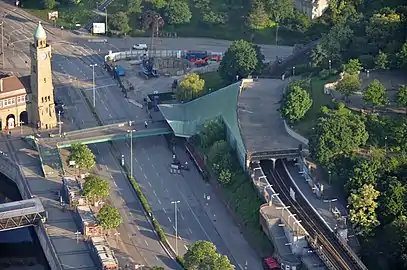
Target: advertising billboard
x,y
99,28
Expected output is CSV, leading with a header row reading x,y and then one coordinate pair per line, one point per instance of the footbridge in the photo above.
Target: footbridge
x,y
20,214
48,148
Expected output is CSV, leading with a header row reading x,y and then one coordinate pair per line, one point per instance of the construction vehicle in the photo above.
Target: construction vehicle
x,y
147,69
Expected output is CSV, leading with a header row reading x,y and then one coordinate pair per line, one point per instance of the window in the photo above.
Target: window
x,y
46,109
45,80
42,100
49,98
13,101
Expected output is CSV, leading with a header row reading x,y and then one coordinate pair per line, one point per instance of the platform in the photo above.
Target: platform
x,y
14,215
261,126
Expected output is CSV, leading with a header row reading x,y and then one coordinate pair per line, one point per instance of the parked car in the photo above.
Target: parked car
x,y
140,46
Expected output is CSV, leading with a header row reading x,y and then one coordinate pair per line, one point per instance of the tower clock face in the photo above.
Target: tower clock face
x,y
43,56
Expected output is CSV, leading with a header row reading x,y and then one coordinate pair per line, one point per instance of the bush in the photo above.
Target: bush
x,y
180,260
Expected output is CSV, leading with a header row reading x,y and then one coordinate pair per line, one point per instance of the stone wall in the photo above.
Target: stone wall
x,y
295,135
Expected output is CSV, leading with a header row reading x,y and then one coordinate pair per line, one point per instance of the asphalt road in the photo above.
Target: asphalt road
x,y
71,69
198,218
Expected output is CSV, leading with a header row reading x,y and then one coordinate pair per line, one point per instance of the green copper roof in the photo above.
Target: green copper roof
x,y
39,32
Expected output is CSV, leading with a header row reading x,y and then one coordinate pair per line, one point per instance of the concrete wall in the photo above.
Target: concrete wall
x,y
13,171
295,135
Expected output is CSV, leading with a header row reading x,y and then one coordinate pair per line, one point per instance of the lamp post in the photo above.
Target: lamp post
x,y
59,124
329,64
293,71
175,203
329,177
93,81
277,34
385,143
106,20
77,233
131,151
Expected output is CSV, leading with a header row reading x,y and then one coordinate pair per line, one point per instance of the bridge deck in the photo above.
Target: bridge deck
x,y
21,208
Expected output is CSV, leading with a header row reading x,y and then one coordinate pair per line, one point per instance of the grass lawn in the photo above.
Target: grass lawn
x,y
69,13
212,81
304,127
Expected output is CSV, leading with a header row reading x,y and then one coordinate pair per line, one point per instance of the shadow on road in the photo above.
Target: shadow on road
x,y
17,19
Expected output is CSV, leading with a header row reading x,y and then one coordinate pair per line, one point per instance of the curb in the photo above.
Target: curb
x,y
147,212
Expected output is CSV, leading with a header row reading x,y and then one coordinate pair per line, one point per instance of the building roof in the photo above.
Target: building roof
x,y
105,254
86,215
39,32
260,123
10,84
185,119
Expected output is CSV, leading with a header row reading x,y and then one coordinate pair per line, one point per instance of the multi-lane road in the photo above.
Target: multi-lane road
x,y
198,217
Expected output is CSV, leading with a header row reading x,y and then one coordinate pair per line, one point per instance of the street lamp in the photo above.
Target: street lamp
x,y
106,20
93,80
329,177
385,143
175,203
131,150
330,64
77,233
293,71
59,123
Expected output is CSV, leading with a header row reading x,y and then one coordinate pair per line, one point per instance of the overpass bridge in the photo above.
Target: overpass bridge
x,y
48,148
21,214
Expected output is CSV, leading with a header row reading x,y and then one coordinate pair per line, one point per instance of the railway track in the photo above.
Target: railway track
x,y
334,254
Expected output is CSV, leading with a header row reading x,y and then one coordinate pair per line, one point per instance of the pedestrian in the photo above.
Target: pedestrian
x,y
145,124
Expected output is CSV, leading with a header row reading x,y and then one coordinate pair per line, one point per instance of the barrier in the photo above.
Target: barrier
x,y
295,135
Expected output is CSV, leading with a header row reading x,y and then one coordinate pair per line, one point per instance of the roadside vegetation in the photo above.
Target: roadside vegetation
x,y
257,21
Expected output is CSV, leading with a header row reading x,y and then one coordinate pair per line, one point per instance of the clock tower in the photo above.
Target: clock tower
x,y
42,107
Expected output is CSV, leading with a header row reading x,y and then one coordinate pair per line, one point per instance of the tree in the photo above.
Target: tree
x,y
318,56
212,131
120,22
203,255
364,172
258,18
220,157
280,10
334,42
158,4
375,94
402,96
392,201
296,104
348,85
337,133
83,156
109,217
260,59
362,207
190,87
134,6
239,60
177,12
225,177
353,67
381,61
49,4
95,188
402,55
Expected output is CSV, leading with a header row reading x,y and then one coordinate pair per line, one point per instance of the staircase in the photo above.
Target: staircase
x,y
100,8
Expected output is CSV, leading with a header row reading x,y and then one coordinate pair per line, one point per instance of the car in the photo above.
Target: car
x,y
140,46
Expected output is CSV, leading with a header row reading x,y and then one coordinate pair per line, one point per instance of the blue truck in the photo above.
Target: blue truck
x,y
119,70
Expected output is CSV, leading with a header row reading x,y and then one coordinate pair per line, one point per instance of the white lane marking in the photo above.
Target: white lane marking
x,y
182,216
114,183
169,219
159,201
155,194
149,184
145,241
196,218
190,231
157,174
164,211
130,214
145,176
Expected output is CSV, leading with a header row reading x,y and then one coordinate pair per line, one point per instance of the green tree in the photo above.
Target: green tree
x,y
296,104
220,157
348,85
280,10
212,131
375,94
260,59
134,6
396,242
120,22
258,19
82,156
381,61
381,28
109,217
336,134
95,188
190,87
353,67
364,172
393,199
158,4
225,176
318,56
362,208
402,55
178,12
49,4
203,255
239,60
402,96
335,41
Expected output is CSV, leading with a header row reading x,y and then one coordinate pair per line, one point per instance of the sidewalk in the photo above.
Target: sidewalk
x,y
221,218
